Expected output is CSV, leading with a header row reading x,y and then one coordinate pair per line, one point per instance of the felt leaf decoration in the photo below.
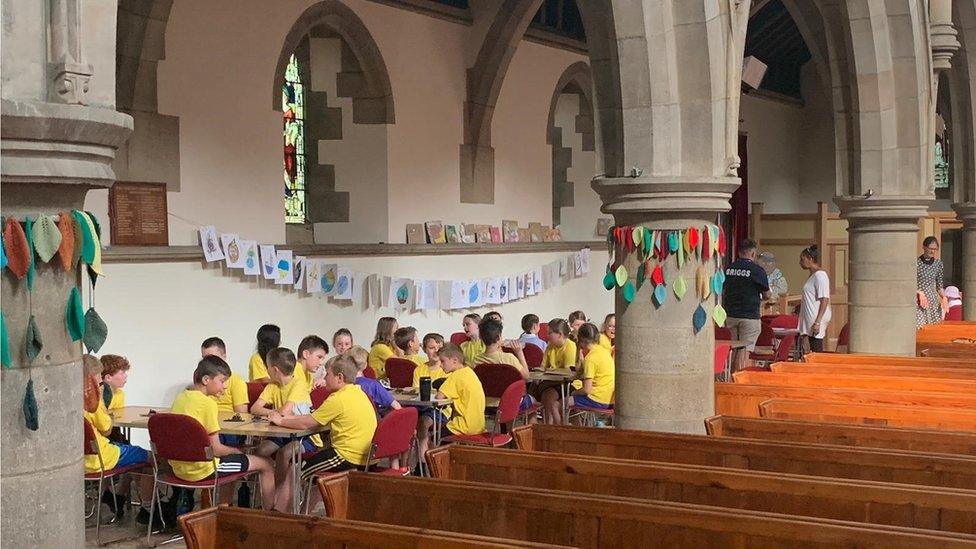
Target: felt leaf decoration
x,y
638,236
719,315
107,394
679,287
608,280
46,237
31,270
714,231
706,250
673,237
4,343
665,246
699,318
30,407
94,220
629,292
660,294
721,241
686,242
648,241
33,343
716,284
621,275
87,237
658,274
692,239
702,283
3,255
15,242
74,315
95,331
79,243
641,275
96,262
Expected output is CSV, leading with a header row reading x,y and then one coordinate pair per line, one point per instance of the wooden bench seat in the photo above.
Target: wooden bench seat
x,y
586,519
890,360
859,436
945,350
874,370
742,399
877,383
755,455
945,332
948,419
235,528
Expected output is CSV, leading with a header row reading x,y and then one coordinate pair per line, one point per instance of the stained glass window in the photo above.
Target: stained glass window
x,y
293,109
941,167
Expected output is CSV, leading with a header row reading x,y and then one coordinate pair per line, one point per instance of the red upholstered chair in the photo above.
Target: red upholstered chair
x,y
393,438
181,437
954,313
508,409
844,338
533,355
319,394
254,389
495,378
766,339
103,474
787,322
722,352
783,350
458,338
369,372
544,332
723,334
400,372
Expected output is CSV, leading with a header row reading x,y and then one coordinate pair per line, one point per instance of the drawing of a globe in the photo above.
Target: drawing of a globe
x,y
328,280
343,285
473,293
402,294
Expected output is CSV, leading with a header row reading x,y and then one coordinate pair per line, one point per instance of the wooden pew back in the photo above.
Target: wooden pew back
x,y
755,455
890,360
878,383
946,332
959,350
947,419
859,436
874,370
741,399
231,527
585,520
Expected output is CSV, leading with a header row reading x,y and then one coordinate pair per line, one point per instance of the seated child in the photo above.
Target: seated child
x,y
115,374
311,355
473,346
288,395
269,337
408,342
209,380
560,353
493,315
432,369
113,454
491,335
350,416
234,399
530,332
466,415
609,332
383,346
377,393
597,373
341,342
576,319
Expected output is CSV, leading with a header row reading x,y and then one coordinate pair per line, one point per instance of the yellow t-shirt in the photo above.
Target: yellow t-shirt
x,y
598,366
351,417
295,391
118,400
464,388
377,359
102,423
256,369
560,357
605,342
418,359
200,407
303,374
501,357
424,370
235,394
472,349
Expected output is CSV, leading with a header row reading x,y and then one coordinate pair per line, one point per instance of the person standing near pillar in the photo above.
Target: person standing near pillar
x,y
746,286
931,293
815,302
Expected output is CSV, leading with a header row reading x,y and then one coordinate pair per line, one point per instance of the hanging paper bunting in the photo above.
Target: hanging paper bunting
x,y
621,275
660,294
608,280
658,274
629,292
679,287
699,318
719,315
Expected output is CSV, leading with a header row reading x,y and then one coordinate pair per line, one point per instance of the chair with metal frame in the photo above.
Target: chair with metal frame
x,y
91,449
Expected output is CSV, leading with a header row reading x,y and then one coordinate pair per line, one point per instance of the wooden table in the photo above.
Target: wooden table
x,y
137,417
409,396
563,376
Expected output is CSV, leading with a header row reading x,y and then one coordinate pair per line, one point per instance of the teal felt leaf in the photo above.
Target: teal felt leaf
x,y
699,318
74,315
33,342
31,271
30,407
660,294
609,281
4,342
629,291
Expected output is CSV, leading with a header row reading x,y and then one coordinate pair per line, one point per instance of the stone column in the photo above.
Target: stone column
x,y
967,213
883,233
59,132
665,376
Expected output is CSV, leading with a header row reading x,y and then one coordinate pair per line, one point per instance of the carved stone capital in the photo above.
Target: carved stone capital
x,y
966,212
69,82
665,194
883,213
944,45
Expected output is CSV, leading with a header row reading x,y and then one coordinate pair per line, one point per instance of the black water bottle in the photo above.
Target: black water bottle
x,y
425,388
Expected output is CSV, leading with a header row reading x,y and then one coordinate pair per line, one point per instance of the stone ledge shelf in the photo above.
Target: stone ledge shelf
x,y
149,254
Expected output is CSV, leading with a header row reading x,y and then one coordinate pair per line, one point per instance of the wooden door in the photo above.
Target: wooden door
x,y
837,269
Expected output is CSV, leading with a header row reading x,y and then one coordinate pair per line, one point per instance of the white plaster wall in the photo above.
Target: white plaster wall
x,y
158,313
579,221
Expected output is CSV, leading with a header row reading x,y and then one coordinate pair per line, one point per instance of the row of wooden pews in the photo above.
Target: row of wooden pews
x,y
954,339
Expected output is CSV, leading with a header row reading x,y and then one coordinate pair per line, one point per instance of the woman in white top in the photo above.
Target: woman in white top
x,y
815,306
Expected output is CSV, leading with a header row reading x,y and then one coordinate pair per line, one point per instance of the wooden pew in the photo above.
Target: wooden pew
x,y
741,399
755,455
590,520
878,383
945,332
891,360
963,351
947,419
874,370
858,436
233,527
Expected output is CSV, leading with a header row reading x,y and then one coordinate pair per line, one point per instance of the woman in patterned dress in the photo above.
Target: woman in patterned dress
x,y
930,295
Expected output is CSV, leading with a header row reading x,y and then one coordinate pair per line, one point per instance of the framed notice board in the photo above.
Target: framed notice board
x,y
138,214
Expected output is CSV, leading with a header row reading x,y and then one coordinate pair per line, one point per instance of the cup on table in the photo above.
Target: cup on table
x,y
425,386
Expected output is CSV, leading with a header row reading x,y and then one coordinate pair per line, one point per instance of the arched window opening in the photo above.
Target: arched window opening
x,y
293,109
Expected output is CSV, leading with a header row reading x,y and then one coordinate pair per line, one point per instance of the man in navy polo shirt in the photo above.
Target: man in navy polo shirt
x,y
746,286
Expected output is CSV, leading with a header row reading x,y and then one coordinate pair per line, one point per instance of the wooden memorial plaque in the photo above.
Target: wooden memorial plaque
x,y
138,214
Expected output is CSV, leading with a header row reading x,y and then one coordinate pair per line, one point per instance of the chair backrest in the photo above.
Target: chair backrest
x,y
254,389
766,335
400,372
785,321
954,313
723,334
844,337
722,351
319,394
508,405
369,372
495,378
533,355
458,338
785,346
91,445
544,331
394,433
179,437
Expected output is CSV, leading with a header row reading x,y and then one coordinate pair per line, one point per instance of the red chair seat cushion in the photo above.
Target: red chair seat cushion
x,y
208,482
390,472
483,439
118,471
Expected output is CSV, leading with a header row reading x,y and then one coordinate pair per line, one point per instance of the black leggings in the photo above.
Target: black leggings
x,y
816,345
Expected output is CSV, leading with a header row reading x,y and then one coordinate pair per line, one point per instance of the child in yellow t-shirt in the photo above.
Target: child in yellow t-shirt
x,y
311,356
115,374
269,337
609,332
383,346
432,368
209,379
560,353
466,415
473,347
407,340
597,374
288,395
234,398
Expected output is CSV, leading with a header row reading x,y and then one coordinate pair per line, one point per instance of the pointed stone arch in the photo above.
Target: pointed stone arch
x,y
575,80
